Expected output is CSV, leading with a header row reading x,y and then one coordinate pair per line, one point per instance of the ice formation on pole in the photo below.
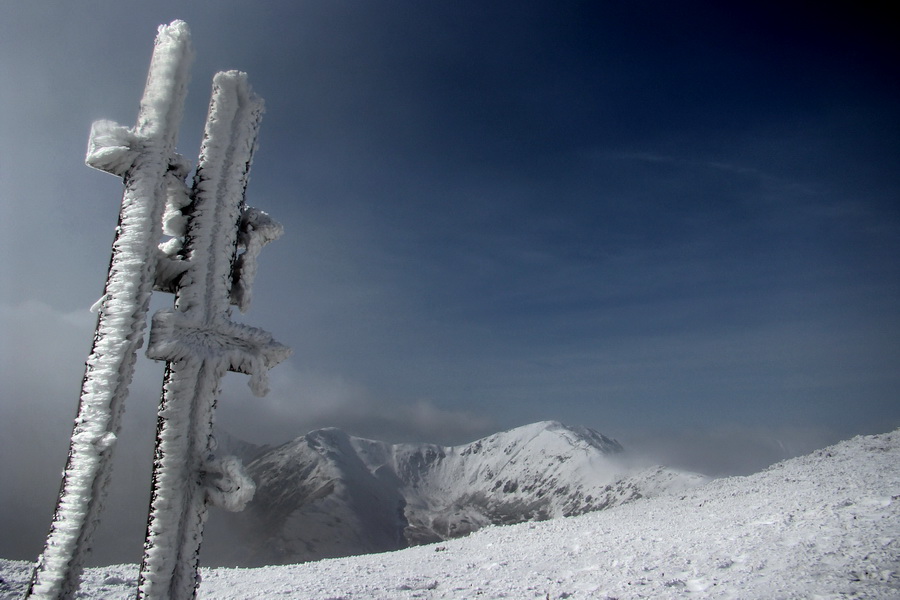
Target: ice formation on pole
x,y
200,343
208,262
143,157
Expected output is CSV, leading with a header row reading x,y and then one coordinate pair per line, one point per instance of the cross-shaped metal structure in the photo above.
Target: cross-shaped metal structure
x,y
208,263
199,343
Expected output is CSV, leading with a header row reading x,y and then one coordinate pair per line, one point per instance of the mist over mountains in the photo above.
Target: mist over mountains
x,y
329,494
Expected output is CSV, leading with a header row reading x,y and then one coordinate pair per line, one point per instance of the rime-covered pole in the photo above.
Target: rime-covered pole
x,y
144,157
200,343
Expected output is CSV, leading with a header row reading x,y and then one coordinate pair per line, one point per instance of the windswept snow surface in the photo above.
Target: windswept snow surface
x,y
824,526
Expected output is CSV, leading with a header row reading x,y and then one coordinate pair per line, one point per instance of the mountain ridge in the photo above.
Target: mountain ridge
x,y
329,494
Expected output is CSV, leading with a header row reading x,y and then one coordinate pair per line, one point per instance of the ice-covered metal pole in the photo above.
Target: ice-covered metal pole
x,y
200,343
144,157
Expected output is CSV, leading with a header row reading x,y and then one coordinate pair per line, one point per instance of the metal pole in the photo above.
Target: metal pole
x,y
144,157
200,343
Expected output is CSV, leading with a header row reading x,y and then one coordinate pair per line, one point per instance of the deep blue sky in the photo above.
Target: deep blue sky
x,y
676,223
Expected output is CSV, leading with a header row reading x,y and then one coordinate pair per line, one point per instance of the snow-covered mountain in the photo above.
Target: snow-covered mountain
x,y
328,494
826,526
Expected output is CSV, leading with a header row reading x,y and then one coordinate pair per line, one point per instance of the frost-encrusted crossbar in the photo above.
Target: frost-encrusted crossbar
x,y
208,261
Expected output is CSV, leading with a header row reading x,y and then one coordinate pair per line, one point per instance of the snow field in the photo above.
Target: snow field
x,y
825,526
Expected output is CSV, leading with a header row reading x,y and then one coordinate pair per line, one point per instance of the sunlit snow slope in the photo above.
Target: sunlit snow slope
x,y
328,494
824,526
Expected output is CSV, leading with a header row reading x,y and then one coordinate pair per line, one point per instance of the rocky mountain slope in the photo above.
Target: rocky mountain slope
x,y
328,494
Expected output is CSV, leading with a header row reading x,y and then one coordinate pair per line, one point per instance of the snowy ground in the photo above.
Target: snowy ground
x,y
824,526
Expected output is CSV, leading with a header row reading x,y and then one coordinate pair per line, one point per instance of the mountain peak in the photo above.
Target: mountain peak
x,y
575,435
329,494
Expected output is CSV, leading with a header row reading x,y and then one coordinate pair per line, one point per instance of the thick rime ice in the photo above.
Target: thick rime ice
x,y
142,157
112,147
200,342
175,336
257,229
197,339
227,484
170,265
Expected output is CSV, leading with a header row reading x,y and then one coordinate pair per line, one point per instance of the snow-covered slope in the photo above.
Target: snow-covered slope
x,y
329,494
824,526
